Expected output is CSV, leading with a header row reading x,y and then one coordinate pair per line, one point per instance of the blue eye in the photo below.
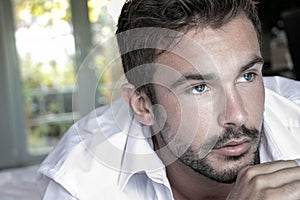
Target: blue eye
x,y
198,89
248,76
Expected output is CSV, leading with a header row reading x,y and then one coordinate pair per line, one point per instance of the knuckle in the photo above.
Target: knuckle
x,y
268,194
288,191
248,173
257,182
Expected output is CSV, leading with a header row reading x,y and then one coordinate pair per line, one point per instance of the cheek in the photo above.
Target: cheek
x,y
189,118
171,105
259,106
173,108
254,103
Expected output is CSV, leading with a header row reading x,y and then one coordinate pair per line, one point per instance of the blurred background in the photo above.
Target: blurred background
x,y
42,46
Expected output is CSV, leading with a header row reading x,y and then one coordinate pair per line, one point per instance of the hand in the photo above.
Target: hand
x,y
274,180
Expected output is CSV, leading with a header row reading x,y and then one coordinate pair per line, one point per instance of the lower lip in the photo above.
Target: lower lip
x,y
235,150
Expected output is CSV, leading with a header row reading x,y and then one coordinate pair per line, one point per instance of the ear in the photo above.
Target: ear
x,y
139,102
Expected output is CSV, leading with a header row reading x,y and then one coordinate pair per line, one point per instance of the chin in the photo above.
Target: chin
x,y
226,170
223,169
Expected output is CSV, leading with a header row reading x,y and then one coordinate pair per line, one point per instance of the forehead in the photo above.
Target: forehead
x,y
210,50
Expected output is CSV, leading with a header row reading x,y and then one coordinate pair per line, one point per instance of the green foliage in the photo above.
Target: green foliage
x,y
50,10
39,75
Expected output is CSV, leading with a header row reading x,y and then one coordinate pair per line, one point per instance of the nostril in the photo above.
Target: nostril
x,y
230,124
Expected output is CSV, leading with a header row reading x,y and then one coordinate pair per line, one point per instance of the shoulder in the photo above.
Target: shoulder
x,y
287,88
79,164
281,117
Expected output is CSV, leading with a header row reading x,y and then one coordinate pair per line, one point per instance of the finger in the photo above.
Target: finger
x,y
276,179
287,191
297,161
266,168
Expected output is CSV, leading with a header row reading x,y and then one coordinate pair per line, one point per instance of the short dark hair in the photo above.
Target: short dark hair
x,y
178,15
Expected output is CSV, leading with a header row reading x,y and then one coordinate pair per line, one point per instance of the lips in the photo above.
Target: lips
x,y
233,147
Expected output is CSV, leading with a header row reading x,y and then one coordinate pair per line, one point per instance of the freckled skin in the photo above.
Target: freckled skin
x,y
229,100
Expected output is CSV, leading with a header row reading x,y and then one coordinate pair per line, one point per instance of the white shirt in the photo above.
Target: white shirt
x,y
109,155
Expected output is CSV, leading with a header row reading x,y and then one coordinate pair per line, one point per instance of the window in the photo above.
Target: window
x,y
105,58
46,51
49,40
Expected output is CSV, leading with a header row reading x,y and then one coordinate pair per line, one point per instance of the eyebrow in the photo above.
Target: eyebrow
x,y
254,61
193,76
212,76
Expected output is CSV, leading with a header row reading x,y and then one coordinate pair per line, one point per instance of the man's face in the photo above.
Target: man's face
x,y
212,93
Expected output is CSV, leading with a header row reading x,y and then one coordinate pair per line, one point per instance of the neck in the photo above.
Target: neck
x,y
188,184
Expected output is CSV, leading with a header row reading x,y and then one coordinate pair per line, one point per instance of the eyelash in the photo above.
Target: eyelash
x,y
193,88
249,73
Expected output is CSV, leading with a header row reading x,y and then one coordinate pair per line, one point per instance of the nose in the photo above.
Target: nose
x,y
234,113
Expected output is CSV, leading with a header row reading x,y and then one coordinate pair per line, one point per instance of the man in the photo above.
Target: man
x,y
199,123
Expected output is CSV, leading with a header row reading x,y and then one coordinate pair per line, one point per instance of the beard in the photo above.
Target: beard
x,y
209,165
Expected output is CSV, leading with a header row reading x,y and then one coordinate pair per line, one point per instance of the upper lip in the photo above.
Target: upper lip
x,y
233,142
